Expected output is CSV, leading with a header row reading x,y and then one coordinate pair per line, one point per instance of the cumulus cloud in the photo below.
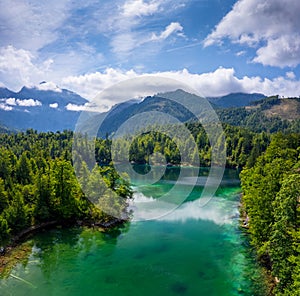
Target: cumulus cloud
x,y
18,67
54,105
270,25
5,107
28,103
35,39
174,27
220,82
9,103
139,7
89,85
283,51
22,103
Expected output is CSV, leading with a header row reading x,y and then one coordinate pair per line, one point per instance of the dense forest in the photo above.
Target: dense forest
x,y
270,178
271,199
38,184
262,116
242,147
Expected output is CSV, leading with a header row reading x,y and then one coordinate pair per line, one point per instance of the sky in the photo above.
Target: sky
x,y
214,46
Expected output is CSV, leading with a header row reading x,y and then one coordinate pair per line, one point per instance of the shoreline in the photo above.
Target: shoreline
x,y
244,221
18,248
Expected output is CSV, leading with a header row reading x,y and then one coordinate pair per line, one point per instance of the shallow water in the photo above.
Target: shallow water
x,y
192,251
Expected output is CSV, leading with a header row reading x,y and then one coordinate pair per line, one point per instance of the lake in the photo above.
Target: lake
x,y
191,251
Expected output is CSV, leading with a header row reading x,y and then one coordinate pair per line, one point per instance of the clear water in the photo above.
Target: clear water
x,y
192,251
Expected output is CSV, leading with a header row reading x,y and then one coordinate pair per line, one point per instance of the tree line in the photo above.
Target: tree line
x,y
270,179
242,147
271,199
38,184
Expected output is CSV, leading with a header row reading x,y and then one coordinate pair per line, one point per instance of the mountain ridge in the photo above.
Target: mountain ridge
x,y
49,110
43,110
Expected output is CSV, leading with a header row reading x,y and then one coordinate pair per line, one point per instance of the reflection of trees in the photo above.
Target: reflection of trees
x,y
68,246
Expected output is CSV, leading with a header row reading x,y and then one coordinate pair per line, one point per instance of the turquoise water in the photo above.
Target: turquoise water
x,y
192,251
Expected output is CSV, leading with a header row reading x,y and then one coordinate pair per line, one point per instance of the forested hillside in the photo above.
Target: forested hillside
x,y
38,183
242,147
272,114
271,200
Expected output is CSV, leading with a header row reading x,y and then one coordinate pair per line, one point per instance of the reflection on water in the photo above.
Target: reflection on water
x,y
218,210
192,251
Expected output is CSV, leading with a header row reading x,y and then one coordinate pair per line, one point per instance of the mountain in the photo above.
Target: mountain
x,y
6,130
6,93
270,114
40,109
61,96
44,109
235,100
161,103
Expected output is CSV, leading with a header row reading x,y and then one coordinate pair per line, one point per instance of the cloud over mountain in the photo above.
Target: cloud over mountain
x,y
216,83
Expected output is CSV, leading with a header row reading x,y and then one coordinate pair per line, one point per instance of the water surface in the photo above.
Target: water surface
x,y
192,251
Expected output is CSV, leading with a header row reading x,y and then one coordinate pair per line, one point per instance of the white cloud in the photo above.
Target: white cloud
x,y
86,107
5,107
48,86
125,42
134,8
18,68
74,107
173,27
28,103
270,25
32,24
27,27
290,75
240,53
11,101
89,85
219,82
283,51
126,25
22,103
54,105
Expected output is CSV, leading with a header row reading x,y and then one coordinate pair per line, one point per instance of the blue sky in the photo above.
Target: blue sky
x,y
215,46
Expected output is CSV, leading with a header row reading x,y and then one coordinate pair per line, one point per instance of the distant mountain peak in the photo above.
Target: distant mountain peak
x,y
48,86
238,99
42,107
